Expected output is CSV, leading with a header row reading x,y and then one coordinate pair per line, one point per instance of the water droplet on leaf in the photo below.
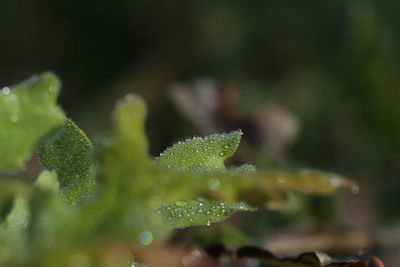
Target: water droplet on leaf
x,y
213,184
5,91
146,238
180,203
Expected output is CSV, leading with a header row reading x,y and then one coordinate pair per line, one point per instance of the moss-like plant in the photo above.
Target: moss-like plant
x,y
94,205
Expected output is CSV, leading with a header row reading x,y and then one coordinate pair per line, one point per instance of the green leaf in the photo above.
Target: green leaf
x,y
129,131
201,153
129,193
18,218
28,112
52,221
9,190
69,153
185,213
47,181
14,219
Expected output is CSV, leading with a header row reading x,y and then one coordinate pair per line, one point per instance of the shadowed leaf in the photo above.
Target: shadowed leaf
x,y
69,153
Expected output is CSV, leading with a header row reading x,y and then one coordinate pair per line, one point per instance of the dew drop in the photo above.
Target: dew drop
x,y
180,203
5,91
146,238
221,153
213,184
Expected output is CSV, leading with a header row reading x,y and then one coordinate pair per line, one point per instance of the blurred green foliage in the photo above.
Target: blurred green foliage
x,y
136,201
29,112
333,64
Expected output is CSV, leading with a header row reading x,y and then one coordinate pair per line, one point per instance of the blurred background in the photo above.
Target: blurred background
x,y
311,84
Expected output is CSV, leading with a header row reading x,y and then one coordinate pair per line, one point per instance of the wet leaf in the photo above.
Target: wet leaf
x,y
185,213
201,153
69,153
28,112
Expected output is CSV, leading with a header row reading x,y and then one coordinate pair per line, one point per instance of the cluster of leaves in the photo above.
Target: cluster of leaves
x,y
93,204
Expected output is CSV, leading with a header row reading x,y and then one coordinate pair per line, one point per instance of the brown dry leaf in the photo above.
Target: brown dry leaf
x,y
310,259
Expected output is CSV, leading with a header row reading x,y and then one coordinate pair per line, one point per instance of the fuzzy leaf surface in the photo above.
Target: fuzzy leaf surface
x,y
201,153
69,153
185,213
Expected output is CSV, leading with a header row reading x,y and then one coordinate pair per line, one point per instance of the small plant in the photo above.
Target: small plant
x,y
96,204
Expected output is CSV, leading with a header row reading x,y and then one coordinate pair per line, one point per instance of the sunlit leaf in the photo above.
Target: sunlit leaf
x,y
47,181
28,112
201,153
184,213
69,153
